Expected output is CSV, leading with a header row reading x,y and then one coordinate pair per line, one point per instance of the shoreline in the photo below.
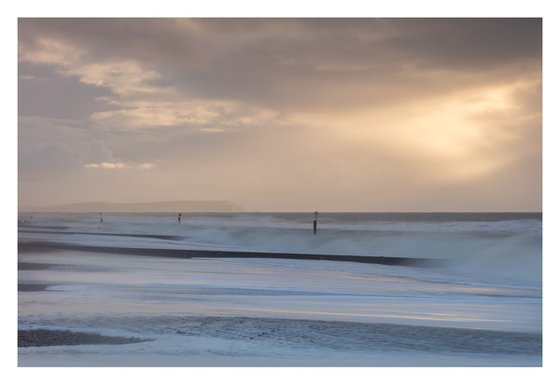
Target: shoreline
x,y
249,336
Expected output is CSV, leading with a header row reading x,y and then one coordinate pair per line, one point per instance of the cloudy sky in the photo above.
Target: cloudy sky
x,y
282,114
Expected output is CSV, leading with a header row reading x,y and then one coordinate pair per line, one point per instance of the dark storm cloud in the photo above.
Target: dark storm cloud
x,y
45,94
281,63
474,44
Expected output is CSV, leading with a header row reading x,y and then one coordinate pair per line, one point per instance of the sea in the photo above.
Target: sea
x,y
479,305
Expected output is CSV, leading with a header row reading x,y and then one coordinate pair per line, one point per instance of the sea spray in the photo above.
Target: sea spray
x,y
506,247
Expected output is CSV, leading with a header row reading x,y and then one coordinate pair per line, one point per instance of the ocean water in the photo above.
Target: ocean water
x,y
483,307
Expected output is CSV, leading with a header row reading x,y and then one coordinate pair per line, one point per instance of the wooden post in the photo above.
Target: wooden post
x,y
315,223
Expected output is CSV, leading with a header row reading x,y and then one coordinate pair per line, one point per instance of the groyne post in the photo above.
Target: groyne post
x,y
315,223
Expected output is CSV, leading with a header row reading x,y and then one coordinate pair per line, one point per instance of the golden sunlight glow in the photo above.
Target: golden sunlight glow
x,y
447,133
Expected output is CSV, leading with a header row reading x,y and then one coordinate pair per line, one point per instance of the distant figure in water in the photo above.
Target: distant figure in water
x,y
179,218
100,217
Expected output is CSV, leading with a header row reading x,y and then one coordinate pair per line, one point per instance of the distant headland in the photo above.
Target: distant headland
x,y
164,206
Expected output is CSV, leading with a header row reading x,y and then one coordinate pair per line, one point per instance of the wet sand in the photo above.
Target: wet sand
x,y
43,337
32,287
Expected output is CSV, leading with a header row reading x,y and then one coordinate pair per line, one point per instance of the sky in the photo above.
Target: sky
x,y
375,114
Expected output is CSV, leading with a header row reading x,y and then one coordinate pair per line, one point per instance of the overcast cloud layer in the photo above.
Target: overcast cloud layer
x,y
283,114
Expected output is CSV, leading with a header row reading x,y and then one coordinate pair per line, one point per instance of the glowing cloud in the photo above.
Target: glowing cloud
x,y
120,166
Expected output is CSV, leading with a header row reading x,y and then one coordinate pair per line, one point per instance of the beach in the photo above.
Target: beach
x,y
90,300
